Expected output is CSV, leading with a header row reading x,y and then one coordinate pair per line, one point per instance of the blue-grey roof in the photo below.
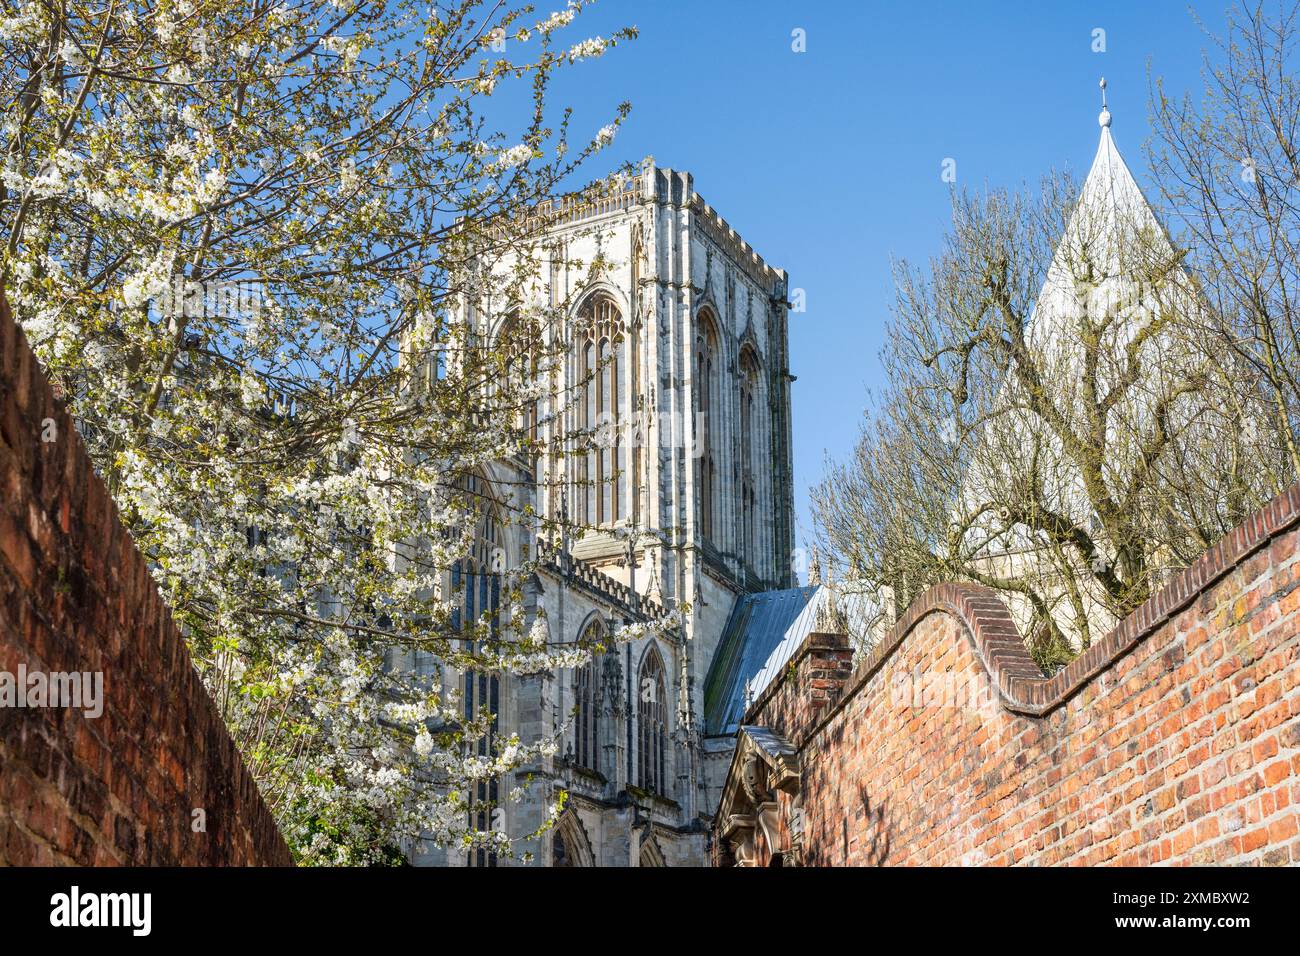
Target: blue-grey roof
x,y
858,610
757,625
764,632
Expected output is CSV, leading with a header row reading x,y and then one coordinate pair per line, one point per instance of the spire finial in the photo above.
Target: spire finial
x,y
1104,119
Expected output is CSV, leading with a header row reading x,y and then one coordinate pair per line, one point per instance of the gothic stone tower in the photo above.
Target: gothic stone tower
x,y
674,334
697,324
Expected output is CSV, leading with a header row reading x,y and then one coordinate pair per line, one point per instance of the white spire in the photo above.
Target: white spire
x,y
1109,182
1111,209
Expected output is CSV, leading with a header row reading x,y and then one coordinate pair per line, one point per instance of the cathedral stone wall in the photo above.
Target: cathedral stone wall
x,y
120,787
1176,739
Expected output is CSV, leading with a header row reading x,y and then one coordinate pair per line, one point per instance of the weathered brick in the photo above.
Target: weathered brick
x,y
1171,740
74,789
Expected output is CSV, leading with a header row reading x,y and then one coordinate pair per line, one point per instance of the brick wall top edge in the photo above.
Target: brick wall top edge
x,y
1021,684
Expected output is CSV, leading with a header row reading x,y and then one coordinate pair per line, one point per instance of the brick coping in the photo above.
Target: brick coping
x,y
998,643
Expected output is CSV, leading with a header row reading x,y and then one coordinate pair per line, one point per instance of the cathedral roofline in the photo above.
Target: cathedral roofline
x,y
597,583
661,185
664,185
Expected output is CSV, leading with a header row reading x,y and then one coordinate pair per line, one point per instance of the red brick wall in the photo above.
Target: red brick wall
x,y
1176,739
75,595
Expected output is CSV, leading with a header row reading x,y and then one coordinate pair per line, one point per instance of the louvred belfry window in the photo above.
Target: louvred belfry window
x,y
705,396
586,695
749,466
519,341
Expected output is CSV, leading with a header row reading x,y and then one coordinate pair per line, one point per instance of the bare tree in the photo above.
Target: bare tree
x,y
1055,426
1228,168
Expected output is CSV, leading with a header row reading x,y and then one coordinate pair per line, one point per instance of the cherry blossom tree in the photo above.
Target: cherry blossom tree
x,y
232,232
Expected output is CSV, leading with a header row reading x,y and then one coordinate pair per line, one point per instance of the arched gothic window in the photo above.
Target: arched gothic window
x,y
706,362
601,470
569,846
749,449
476,580
649,855
586,695
652,725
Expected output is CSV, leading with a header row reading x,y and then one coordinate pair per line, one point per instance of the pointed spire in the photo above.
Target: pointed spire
x,y
814,569
1109,181
1110,208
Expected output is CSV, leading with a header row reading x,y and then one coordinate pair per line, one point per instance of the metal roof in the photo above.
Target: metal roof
x,y
757,625
858,608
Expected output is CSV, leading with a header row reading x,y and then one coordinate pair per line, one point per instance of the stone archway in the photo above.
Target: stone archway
x,y
651,854
569,843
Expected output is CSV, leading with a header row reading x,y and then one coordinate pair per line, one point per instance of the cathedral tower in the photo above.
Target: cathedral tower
x,y
662,440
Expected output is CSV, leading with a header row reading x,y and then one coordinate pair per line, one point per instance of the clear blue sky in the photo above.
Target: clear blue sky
x,y
828,162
